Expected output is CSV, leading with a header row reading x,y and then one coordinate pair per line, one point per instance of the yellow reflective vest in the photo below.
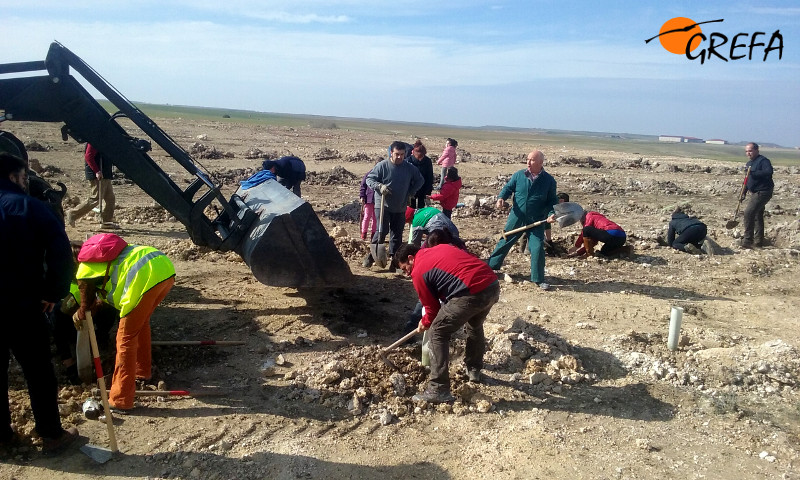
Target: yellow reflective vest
x,y
136,270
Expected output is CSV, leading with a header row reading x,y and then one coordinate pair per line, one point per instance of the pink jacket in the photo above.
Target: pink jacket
x,y
448,157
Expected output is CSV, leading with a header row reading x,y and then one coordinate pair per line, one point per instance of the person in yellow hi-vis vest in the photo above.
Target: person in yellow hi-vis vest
x,y
134,283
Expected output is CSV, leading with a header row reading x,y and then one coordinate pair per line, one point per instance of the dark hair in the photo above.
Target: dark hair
x,y
452,142
402,253
563,196
452,174
444,236
268,164
10,164
754,144
419,147
397,145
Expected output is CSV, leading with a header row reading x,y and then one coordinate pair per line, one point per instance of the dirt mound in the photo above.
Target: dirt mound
x,y
143,215
584,162
336,176
326,153
203,151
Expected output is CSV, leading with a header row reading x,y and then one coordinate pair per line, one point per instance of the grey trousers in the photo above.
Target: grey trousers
x,y
754,217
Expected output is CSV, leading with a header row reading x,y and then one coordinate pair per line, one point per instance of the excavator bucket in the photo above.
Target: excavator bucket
x,y
287,245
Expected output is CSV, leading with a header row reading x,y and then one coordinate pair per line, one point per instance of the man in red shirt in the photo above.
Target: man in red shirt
x,y
99,173
469,289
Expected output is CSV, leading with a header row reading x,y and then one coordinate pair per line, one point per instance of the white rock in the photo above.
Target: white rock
x,y
507,278
537,377
386,417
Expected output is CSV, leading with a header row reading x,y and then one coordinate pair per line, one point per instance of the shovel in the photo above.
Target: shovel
x,y
391,347
568,213
100,454
732,223
378,250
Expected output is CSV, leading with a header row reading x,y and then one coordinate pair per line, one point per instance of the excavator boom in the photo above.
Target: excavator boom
x,y
278,235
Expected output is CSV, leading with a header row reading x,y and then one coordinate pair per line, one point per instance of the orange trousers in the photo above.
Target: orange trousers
x,y
134,358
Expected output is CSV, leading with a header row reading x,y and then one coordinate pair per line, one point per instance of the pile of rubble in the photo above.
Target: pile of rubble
x,y
186,250
356,378
326,153
338,175
144,215
203,151
733,365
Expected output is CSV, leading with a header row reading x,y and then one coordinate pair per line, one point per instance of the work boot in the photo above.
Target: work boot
x,y
746,244
691,248
368,261
431,395
588,244
474,374
54,446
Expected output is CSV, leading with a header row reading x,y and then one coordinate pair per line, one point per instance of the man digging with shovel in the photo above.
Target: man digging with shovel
x,y
469,289
393,180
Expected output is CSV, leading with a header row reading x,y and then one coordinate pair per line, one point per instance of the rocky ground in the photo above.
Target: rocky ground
x,y
579,380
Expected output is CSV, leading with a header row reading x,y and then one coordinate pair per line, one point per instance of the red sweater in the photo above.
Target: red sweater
x,y
448,196
599,221
443,272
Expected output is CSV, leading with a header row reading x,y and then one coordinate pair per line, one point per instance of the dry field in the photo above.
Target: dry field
x,y
579,380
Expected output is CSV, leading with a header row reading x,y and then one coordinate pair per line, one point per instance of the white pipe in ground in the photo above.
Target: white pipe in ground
x,y
675,319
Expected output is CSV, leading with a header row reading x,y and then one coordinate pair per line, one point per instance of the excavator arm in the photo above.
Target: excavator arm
x,y
254,231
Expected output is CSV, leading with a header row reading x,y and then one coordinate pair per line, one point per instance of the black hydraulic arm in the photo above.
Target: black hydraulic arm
x,y
59,97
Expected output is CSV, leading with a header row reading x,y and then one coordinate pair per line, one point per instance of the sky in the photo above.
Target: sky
x,y
579,65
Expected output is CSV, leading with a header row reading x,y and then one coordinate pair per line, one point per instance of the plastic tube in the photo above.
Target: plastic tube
x,y
675,319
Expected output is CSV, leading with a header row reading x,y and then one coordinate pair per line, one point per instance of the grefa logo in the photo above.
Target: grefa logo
x,y
682,36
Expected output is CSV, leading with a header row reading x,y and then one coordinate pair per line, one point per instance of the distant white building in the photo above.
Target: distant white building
x,y
670,138
717,141
692,140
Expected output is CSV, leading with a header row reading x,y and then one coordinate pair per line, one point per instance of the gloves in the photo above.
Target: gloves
x,y
385,190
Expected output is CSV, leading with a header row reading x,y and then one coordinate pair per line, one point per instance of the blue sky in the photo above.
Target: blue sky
x,y
580,65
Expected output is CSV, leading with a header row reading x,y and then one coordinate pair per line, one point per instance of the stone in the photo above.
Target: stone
x,y
398,384
385,417
537,377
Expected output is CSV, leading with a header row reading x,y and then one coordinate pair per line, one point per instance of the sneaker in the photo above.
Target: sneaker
x,y
544,285
691,248
432,396
474,375
368,261
54,446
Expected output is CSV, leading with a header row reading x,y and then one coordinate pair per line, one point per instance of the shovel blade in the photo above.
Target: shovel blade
x,y
731,224
567,213
98,454
381,257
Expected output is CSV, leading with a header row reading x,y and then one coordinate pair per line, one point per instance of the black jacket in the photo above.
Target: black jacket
x,y
37,258
760,178
425,167
679,223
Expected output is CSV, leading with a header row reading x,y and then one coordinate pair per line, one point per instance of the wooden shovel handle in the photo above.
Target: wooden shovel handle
x,y
101,383
401,341
522,229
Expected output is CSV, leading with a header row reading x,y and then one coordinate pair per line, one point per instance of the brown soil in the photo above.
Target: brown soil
x,y
579,382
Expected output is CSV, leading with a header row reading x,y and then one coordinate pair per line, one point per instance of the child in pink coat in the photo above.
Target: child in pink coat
x,y
447,159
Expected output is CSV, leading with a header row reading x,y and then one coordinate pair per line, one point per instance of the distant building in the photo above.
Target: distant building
x,y
717,141
670,138
692,140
